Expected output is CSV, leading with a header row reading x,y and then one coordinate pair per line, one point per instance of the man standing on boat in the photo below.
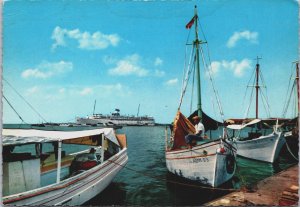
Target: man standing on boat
x,y
198,136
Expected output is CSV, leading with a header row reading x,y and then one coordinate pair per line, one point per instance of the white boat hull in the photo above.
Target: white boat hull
x,y
75,190
203,163
111,121
264,148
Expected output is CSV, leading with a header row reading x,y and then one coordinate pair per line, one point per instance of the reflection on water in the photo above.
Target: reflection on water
x,y
114,194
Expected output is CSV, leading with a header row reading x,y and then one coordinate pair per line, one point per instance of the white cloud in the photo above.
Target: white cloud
x,y
86,91
159,73
246,34
215,67
238,68
86,40
62,90
130,65
32,90
172,82
158,61
47,70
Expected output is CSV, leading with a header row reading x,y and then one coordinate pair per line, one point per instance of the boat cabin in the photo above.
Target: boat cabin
x,y
34,159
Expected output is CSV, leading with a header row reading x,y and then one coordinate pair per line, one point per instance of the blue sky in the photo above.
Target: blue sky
x,y
63,55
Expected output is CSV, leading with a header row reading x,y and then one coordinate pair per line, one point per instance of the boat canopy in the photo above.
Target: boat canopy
x,y
241,126
28,136
208,122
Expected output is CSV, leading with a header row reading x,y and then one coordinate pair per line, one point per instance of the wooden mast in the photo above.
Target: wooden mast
x,y
196,43
257,87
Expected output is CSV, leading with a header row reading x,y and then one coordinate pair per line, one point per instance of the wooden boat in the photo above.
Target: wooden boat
x,y
47,168
210,161
291,127
256,141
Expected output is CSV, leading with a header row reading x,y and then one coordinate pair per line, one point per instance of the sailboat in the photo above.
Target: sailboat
x,y
254,140
291,127
210,161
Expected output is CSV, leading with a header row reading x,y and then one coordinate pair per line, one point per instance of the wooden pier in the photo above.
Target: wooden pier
x,y
278,190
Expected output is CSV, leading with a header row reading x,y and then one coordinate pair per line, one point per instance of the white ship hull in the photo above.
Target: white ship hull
x,y
264,148
120,122
203,163
75,190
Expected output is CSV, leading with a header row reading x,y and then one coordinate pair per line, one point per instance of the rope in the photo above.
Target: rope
x,y
187,76
265,103
174,182
251,97
286,102
212,83
290,151
25,100
191,106
289,100
248,85
14,109
265,97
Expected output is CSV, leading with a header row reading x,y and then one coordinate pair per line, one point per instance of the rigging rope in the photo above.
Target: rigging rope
x,y
170,181
253,72
265,96
265,104
25,100
212,83
251,97
14,109
187,76
289,100
290,92
191,106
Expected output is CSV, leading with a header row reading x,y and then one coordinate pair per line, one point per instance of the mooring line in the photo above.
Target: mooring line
x,y
174,182
290,151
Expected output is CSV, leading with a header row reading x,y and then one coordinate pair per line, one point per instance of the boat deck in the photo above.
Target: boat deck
x,y
278,190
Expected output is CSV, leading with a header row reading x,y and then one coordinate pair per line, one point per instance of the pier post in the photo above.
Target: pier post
x,y
58,162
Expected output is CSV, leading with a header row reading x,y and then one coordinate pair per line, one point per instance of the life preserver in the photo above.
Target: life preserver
x,y
230,163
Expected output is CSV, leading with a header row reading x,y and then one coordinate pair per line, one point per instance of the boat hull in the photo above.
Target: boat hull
x,y
118,122
203,163
75,190
264,148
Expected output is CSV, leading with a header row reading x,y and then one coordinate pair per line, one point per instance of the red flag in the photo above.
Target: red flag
x,y
190,24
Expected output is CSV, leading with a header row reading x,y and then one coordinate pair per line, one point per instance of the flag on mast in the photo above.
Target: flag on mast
x,y
190,24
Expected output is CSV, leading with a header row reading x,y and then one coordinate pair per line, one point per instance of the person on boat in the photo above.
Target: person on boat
x,y
92,150
199,134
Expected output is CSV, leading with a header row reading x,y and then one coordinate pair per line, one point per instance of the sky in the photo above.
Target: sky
x,y
61,56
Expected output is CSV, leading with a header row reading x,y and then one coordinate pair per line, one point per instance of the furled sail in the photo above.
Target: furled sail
x,y
181,127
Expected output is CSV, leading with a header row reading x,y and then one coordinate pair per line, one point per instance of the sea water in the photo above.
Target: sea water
x,y
145,180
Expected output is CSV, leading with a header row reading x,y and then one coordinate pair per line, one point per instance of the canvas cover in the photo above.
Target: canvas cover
x,y
27,136
208,122
181,127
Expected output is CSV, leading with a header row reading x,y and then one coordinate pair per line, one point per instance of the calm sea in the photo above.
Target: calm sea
x,y
145,180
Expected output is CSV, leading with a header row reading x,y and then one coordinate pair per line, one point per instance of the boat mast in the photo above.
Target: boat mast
x,y
94,107
138,111
196,43
257,86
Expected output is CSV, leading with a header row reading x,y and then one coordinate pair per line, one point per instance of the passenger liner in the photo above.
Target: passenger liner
x,y
116,119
